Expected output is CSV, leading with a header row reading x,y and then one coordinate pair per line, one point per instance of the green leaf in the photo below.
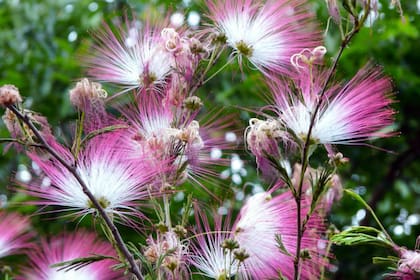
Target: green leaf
x,y
101,131
389,260
280,245
361,235
80,262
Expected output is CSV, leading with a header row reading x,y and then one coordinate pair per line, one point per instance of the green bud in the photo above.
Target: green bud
x,y
230,244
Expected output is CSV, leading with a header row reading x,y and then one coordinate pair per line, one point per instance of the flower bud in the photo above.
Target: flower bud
x,y
86,91
230,244
151,254
334,10
180,231
171,262
9,95
193,103
196,47
161,227
240,254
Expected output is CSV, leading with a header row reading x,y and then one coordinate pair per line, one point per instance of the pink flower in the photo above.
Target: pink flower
x,y
118,184
9,95
169,139
265,32
209,255
14,234
134,57
67,247
348,114
408,265
262,139
265,218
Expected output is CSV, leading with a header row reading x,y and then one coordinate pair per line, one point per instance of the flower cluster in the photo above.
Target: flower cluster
x,y
131,157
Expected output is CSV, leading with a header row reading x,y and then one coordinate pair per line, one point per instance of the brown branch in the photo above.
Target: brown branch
x,y
305,161
115,233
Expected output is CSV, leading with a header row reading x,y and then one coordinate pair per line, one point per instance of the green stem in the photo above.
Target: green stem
x,y
220,69
367,206
167,209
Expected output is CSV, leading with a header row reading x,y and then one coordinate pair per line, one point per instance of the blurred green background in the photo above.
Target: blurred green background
x,y
41,43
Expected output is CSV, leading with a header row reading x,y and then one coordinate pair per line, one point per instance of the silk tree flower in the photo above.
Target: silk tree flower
x,y
408,265
89,97
261,221
133,57
186,49
262,139
170,139
67,247
154,137
118,184
267,33
348,114
208,253
14,234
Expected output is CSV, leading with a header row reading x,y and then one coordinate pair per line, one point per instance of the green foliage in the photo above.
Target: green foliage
x,y
361,235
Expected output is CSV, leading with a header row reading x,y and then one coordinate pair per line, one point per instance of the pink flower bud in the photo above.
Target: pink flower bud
x,y
86,91
9,95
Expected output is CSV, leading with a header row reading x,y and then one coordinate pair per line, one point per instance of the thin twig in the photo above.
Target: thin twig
x,y
115,233
305,159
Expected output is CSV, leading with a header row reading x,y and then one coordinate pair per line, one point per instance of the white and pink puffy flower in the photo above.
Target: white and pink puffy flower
x,y
133,57
67,247
14,234
267,33
408,265
207,252
261,219
348,114
170,140
118,184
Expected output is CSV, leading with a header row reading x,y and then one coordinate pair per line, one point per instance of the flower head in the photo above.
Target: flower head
x,y
265,33
347,114
67,247
9,95
262,139
266,219
86,93
133,57
13,233
210,253
408,265
118,184
170,139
